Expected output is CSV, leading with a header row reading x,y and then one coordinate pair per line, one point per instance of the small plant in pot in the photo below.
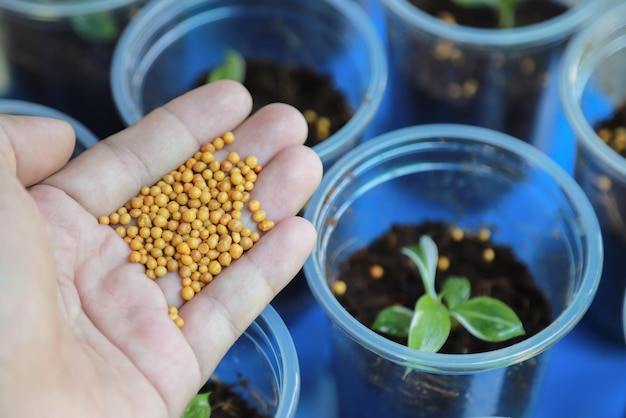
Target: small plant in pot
x,y
450,302
220,400
59,54
481,62
503,216
428,325
593,95
259,377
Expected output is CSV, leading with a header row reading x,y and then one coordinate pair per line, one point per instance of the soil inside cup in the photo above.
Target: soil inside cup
x,y
527,12
65,64
612,130
227,402
499,90
423,394
504,278
324,106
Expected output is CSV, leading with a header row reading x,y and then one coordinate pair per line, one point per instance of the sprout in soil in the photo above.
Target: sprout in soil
x,y
504,8
428,325
99,27
199,407
233,67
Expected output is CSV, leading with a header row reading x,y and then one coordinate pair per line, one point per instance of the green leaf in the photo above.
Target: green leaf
x,y
232,68
199,407
96,26
455,290
425,255
394,320
488,319
504,8
430,325
494,4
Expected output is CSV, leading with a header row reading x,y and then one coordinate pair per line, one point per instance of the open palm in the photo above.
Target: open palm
x,y
85,332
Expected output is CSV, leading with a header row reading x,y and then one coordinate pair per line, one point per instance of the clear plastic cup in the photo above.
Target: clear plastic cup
x,y
592,86
470,177
84,137
502,79
172,44
263,367
58,53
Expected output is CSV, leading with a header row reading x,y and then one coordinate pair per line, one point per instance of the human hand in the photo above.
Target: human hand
x,y
84,331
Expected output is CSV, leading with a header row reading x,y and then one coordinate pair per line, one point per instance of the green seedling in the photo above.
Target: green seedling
x,y
199,407
99,26
96,26
504,8
429,324
233,67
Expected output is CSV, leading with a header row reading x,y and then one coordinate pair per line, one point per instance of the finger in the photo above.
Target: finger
x,y
112,171
222,311
34,147
288,181
269,130
262,135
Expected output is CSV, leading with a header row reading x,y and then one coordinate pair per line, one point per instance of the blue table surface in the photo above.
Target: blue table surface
x,y
586,375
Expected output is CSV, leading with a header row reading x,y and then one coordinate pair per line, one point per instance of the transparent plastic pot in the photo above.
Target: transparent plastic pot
x,y
262,366
470,177
59,54
172,44
502,79
592,87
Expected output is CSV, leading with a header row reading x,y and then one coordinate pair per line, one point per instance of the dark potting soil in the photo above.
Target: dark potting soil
x,y
612,130
498,91
314,94
504,278
303,88
54,64
527,12
226,402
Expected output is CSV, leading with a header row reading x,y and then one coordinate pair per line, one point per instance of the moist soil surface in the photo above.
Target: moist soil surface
x,y
55,64
226,402
527,13
613,130
311,92
504,278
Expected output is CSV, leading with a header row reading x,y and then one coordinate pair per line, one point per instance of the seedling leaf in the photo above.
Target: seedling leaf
x,y
430,322
394,320
488,319
425,256
430,325
199,407
456,290
232,68
96,26
504,8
